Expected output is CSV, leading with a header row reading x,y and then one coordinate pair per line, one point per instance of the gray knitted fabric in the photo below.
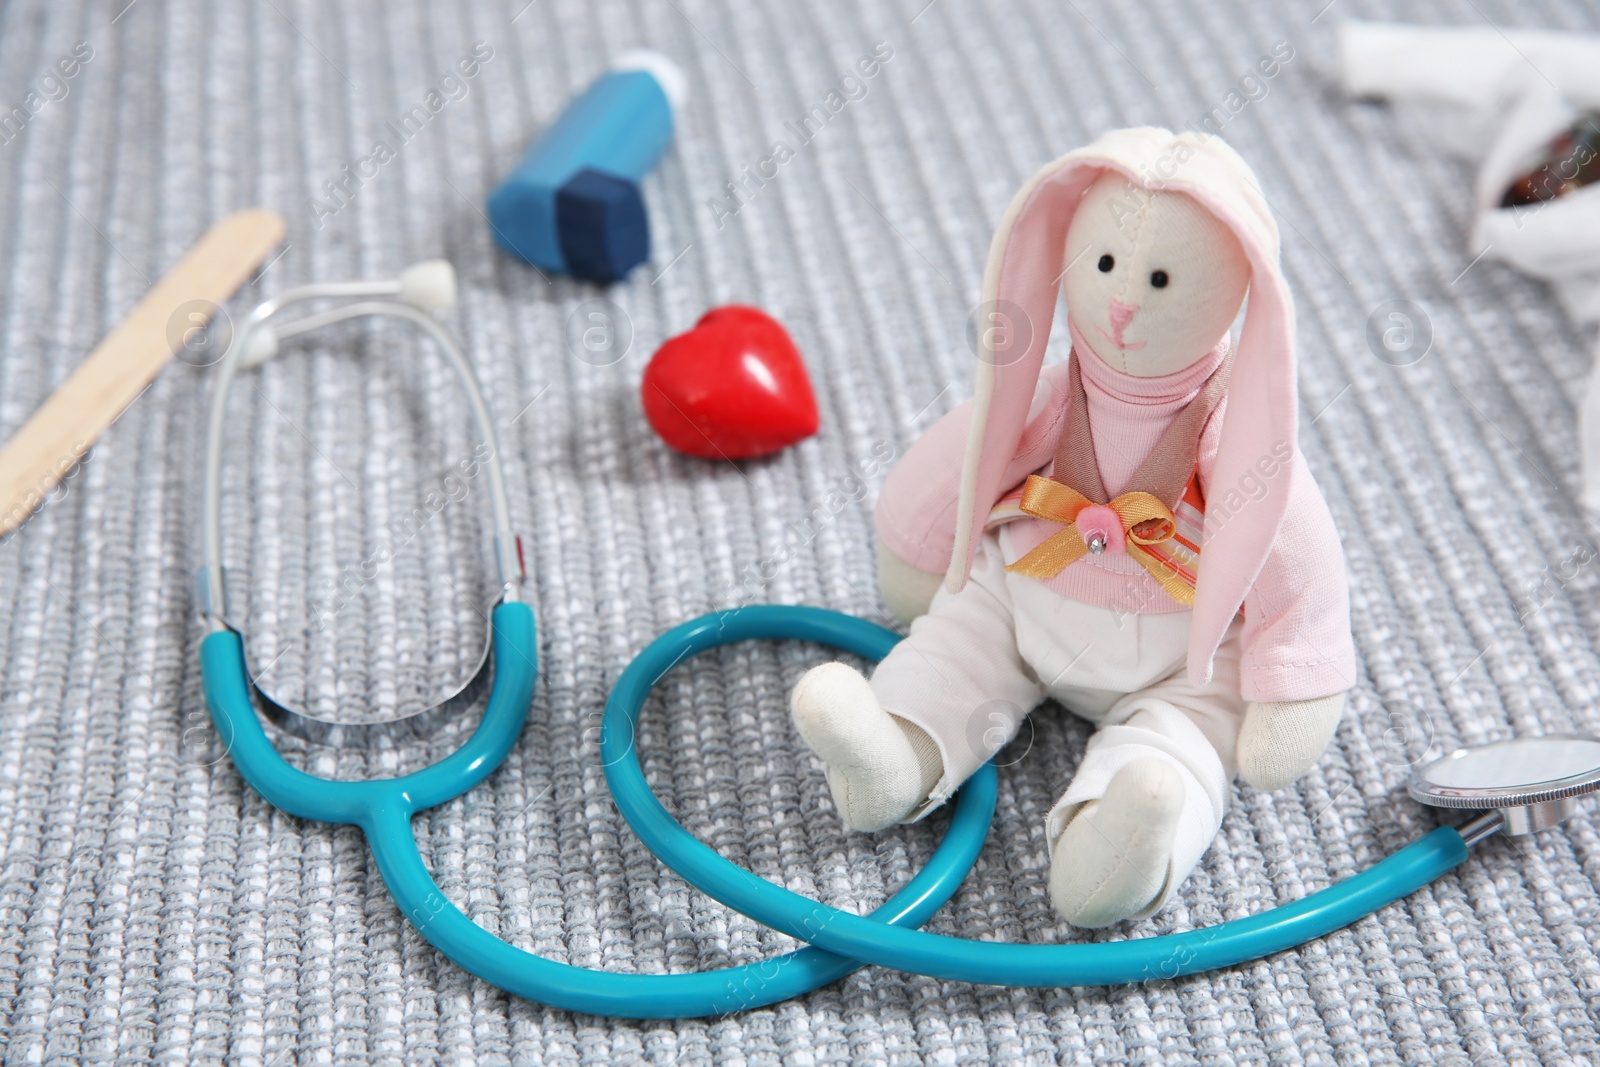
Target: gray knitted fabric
x,y
153,909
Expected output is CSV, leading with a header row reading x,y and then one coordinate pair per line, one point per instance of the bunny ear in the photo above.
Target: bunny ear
x,y
1020,282
1248,491
1259,429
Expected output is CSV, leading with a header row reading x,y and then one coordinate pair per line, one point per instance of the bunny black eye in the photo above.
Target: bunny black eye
x,y
1106,263
1158,279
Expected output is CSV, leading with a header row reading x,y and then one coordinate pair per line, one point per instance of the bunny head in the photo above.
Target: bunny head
x,y
1156,239
1152,278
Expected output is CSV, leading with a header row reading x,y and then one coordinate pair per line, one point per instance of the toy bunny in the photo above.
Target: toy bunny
x,y
1132,532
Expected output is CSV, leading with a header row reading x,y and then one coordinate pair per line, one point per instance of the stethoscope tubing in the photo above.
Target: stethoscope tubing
x,y
840,942
383,809
940,956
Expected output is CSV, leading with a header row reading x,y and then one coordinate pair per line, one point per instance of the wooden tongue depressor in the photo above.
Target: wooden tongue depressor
x,y
124,364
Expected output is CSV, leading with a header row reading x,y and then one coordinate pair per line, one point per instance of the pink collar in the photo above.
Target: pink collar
x,y
1177,388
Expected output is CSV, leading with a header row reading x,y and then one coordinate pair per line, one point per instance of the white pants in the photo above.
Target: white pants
x,y
980,660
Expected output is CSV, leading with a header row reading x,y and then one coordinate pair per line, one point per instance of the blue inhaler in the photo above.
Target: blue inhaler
x,y
572,204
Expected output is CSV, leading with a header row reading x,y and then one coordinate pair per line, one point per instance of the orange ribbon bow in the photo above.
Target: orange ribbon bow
x,y
1131,523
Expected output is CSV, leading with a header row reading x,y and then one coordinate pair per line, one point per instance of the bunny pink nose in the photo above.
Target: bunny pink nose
x,y
1121,315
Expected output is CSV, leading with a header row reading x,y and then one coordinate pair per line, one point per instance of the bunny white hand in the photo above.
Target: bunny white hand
x,y
906,590
1281,740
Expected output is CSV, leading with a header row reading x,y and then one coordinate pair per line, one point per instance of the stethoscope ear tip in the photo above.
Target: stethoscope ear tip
x,y
429,285
261,344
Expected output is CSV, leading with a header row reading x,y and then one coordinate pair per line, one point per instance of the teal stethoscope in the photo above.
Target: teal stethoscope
x,y
1521,785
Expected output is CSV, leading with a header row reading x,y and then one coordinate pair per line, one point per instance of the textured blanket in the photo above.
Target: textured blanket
x,y
154,910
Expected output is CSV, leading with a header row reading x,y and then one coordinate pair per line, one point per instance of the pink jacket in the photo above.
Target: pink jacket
x,y
1296,637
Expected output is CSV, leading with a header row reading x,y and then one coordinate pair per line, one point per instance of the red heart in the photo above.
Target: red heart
x,y
734,387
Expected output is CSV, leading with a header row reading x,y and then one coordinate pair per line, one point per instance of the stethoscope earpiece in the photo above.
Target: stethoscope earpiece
x,y
260,346
429,285
426,286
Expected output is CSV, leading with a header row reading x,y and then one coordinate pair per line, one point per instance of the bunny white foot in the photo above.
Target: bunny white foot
x,y
879,767
1113,859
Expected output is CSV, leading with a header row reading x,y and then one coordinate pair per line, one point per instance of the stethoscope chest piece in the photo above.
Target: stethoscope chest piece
x,y
1532,783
